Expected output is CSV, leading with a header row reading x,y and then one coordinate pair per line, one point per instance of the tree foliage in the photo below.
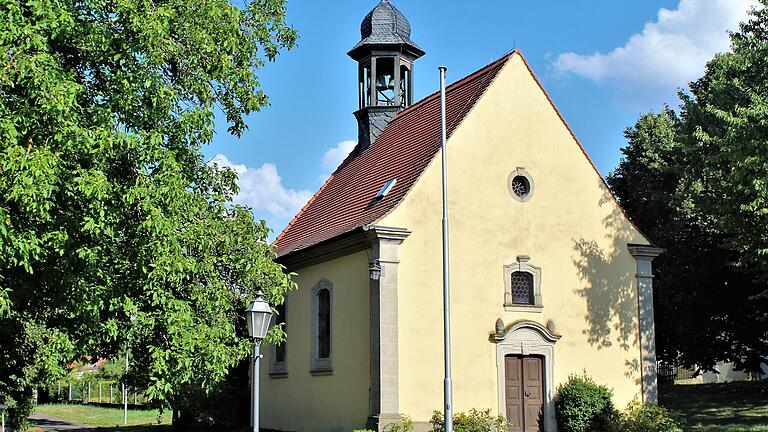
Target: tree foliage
x,y
107,208
726,135
697,184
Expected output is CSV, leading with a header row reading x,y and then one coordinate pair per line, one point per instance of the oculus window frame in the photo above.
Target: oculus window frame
x,y
520,178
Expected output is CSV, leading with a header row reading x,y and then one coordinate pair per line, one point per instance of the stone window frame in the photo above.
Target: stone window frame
x,y
520,171
279,369
321,366
522,265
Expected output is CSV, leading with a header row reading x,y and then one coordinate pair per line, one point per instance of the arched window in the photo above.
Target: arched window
x,y
278,354
323,324
322,327
522,286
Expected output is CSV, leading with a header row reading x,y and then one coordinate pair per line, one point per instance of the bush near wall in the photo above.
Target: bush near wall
x,y
404,426
584,406
648,418
471,421
589,406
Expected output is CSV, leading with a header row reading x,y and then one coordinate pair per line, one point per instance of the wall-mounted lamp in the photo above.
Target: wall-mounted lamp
x,y
374,269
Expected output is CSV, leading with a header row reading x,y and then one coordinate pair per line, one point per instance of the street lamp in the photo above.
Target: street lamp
x,y
125,387
258,316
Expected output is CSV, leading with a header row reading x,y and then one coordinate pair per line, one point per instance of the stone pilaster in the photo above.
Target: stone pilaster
x,y
385,383
644,255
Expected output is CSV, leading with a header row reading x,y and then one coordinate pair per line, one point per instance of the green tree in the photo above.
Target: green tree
x,y
726,135
697,184
107,207
705,312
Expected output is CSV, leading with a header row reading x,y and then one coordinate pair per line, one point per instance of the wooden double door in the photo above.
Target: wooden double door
x,y
524,386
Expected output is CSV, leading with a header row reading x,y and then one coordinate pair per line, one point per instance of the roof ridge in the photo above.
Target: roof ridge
x,y
360,169
578,142
463,81
459,118
458,84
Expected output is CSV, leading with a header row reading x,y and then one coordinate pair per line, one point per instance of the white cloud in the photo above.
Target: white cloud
x,y
333,157
336,155
262,189
668,53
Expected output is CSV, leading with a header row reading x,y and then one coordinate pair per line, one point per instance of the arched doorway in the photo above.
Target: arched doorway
x,y
525,356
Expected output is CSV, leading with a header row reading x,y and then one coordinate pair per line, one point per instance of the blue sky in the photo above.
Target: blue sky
x,y
602,61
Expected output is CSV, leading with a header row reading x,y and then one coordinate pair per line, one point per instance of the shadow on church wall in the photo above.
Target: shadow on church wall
x,y
611,307
608,287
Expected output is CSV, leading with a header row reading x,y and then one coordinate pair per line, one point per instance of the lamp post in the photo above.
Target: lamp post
x,y
258,316
125,387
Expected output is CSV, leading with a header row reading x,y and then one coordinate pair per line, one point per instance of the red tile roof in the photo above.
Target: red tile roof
x,y
402,151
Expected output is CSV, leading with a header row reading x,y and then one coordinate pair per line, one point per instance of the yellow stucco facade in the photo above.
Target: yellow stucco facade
x,y
300,400
571,229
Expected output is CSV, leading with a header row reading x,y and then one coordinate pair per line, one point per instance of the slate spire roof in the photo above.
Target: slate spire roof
x,y
385,25
347,201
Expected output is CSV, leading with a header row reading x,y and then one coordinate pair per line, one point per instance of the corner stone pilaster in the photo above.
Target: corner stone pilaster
x,y
644,255
385,381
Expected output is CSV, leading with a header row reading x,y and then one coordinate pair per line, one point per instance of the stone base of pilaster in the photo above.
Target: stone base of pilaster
x,y
380,421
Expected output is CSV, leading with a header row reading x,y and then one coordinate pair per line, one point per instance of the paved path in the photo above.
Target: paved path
x,y
54,424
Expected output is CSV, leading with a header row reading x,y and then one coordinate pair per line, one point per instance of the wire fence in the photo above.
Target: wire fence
x,y
96,392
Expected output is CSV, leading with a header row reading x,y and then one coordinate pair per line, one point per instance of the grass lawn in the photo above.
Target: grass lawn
x,y
725,407
103,417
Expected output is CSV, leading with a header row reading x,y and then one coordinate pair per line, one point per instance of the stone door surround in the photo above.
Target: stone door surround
x,y
525,338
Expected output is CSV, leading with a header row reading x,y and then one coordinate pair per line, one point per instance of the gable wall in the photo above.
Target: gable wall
x,y
305,402
571,228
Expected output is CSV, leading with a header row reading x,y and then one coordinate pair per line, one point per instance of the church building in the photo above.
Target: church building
x,y
549,277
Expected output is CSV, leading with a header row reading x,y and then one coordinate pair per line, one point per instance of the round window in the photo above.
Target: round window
x,y
520,185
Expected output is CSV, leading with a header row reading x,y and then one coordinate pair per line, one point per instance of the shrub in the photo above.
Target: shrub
x,y
648,418
404,426
471,421
584,406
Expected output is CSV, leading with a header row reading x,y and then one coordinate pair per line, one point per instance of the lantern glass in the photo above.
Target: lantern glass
x,y
374,270
258,318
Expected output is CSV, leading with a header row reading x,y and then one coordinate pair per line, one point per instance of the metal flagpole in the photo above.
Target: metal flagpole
x,y
125,385
448,392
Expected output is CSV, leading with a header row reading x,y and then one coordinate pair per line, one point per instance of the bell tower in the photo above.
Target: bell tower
x,y
385,56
